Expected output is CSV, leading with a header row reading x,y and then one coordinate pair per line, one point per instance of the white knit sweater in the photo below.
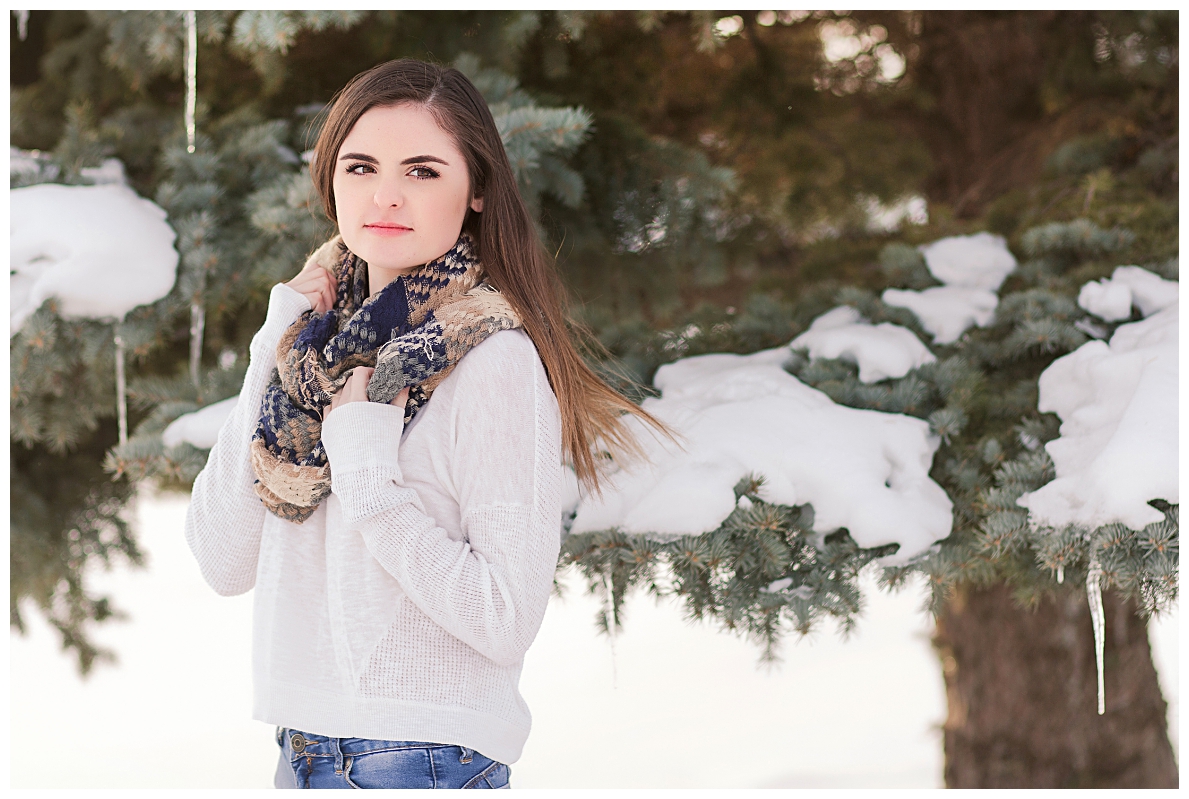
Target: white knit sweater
x,y
403,607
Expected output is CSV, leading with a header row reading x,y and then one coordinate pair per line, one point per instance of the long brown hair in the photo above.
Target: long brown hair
x,y
514,259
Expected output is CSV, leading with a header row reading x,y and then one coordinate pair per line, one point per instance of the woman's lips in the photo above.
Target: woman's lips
x,y
387,230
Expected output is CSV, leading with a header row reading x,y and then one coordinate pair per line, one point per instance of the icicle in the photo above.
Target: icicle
x,y
197,325
191,76
197,312
121,399
1060,575
1094,596
609,610
22,25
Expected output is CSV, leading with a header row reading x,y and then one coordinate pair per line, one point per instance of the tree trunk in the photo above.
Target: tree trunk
x,y
1022,692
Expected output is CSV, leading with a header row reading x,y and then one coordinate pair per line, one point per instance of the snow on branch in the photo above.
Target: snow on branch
x,y
880,351
99,251
744,414
972,268
1118,405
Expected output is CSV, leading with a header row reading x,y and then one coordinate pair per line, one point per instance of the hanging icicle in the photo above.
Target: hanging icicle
x,y
197,311
22,24
197,324
1060,575
191,76
1094,596
121,393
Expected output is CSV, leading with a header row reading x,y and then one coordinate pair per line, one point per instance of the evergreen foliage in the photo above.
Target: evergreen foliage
x,y
762,568
246,216
705,190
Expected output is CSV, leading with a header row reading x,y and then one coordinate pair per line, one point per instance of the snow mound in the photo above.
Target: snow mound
x,y
21,162
741,414
200,428
979,261
1111,299
881,351
111,171
1118,443
99,250
946,311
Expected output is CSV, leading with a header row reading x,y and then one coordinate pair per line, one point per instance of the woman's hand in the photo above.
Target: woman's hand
x,y
355,390
318,286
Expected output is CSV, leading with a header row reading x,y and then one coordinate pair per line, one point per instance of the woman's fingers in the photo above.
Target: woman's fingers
x,y
328,290
355,390
318,286
322,284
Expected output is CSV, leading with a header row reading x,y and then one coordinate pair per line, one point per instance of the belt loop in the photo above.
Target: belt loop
x,y
281,736
338,755
467,754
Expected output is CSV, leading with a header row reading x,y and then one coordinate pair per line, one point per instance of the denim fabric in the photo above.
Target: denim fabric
x,y
323,762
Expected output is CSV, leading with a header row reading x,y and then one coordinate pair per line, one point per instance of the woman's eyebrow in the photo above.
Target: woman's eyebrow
x,y
417,158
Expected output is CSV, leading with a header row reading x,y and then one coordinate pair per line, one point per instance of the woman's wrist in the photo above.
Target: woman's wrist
x,y
363,435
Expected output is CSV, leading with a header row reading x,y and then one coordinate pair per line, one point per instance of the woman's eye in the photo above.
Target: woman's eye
x,y
355,169
423,172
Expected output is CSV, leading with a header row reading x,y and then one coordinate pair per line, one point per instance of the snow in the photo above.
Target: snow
x,y
946,311
972,269
979,261
111,171
887,218
200,428
1111,299
742,414
99,250
1106,299
881,351
688,689
1118,442
21,162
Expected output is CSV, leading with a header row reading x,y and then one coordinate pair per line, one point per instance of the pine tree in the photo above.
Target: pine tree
x,y
709,186
243,207
980,398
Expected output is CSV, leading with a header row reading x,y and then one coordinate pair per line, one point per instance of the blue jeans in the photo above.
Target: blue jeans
x,y
316,761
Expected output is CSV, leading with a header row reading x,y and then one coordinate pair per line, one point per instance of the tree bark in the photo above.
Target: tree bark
x,y
1022,694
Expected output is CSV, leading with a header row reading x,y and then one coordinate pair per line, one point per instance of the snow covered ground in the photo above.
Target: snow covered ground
x,y
671,704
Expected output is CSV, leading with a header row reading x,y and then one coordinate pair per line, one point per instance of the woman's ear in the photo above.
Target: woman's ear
x,y
477,205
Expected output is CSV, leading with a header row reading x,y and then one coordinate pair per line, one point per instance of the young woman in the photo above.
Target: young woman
x,y
390,481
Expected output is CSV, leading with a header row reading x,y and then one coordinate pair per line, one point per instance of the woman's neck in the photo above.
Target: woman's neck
x,y
378,277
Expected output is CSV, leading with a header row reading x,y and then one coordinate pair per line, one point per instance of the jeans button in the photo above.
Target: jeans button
x,y
298,743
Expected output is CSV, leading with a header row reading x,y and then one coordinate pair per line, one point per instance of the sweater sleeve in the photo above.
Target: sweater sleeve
x,y
490,589
225,518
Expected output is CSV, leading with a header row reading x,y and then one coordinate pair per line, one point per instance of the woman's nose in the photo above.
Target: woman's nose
x,y
389,194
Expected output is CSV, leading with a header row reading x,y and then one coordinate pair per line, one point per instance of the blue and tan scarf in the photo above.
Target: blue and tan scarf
x,y
413,332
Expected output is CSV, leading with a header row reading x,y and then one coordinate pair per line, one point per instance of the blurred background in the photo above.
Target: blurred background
x,y
710,182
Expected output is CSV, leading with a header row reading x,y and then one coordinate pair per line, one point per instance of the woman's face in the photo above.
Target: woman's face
x,y
401,190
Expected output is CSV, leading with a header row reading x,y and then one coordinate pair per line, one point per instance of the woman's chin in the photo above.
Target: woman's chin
x,y
377,258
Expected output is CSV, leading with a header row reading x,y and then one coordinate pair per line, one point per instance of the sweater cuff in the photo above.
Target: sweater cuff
x,y
361,441
285,304
363,436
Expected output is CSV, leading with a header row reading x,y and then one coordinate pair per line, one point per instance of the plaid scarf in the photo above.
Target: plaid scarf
x,y
413,332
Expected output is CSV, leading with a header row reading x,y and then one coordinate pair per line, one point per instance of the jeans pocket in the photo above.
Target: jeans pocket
x,y
496,775
391,768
